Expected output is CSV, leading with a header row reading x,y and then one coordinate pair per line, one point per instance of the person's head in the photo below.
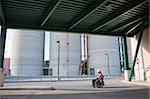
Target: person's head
x,y
98,71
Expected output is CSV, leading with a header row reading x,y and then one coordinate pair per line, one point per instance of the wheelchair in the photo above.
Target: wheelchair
x,y
99,84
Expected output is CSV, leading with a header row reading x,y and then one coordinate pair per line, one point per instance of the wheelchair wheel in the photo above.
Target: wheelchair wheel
x,y
98,84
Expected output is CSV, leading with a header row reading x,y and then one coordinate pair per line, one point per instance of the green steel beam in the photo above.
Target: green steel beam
x,y
126,27
87,12
2,45
125,53
46,28
136,52
132,29
125,24
101,23
49,12
2,18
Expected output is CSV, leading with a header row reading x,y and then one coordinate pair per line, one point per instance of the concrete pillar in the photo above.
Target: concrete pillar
x,y
126,74
1,77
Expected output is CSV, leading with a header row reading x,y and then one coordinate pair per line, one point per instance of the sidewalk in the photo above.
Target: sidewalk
x,y
65,87
142,83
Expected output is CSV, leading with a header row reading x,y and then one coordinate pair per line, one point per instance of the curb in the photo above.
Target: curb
x,y
51,88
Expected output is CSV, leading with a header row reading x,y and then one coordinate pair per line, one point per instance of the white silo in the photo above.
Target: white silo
x,y
27,53
103,54
68,56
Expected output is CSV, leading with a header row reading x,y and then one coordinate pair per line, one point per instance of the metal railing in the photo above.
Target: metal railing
x,y
147,69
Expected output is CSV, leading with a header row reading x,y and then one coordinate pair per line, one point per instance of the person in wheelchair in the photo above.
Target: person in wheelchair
x,y
100,76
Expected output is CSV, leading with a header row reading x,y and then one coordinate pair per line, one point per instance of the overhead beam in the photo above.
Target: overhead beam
x,y
2,18
87,12
133,28
116,14
127,25
12,26
50,11
124,24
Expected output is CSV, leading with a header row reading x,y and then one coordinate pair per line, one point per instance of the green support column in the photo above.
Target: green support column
x,y
125,58
125,53
136,52
2,49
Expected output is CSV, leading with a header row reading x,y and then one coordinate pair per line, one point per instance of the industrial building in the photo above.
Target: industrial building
x,y
103,54
27,53
65,54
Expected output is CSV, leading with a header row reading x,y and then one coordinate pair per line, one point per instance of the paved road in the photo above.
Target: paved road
x,y
114,89
128,94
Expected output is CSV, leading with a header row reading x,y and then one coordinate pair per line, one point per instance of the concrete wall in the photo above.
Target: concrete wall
x,y
143,68
70,52
27,53
103,51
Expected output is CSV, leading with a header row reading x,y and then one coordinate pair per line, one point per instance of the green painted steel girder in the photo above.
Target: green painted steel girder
x,y
87,12
125,53
133,28
116,14
2,45
49,12
125,24
136,52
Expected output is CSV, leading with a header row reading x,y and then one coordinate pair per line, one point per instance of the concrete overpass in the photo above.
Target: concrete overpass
x,y
102,17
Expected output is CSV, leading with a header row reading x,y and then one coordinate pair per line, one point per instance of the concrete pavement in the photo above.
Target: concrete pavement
x,y
128,94
114,89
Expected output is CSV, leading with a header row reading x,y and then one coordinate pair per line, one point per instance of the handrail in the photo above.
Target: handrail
x,y
147,69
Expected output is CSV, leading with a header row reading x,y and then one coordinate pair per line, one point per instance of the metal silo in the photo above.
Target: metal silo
x,y
65,54
27,53
103,54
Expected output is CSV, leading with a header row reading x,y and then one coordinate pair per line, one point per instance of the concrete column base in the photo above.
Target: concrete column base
x,y
1,77
126,75
139,74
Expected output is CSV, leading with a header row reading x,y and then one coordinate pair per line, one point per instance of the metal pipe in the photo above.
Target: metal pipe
x,y
119,47
107,56
58,57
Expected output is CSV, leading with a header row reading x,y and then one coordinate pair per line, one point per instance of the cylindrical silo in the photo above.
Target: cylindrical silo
x,y
103,54
65,54
27,53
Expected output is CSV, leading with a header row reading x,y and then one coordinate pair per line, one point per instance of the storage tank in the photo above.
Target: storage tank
x,y
27,53
103,54
68,57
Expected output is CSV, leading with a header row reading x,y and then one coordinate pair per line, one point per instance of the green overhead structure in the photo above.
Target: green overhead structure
x,y
102,17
